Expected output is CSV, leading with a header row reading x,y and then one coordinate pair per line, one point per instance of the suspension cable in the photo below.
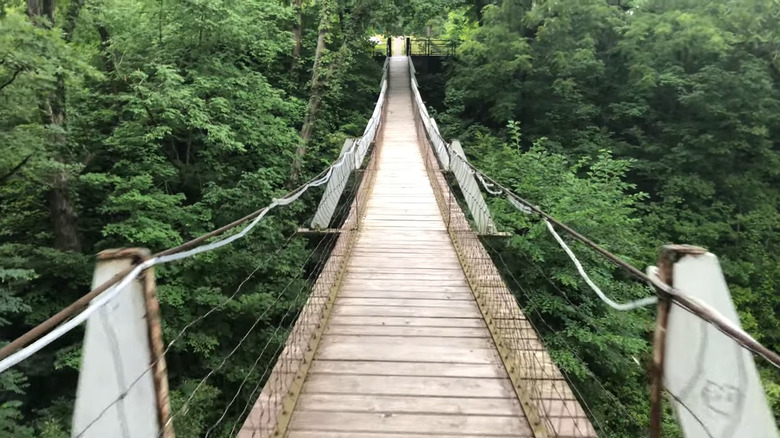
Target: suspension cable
x,y
665,291
9,356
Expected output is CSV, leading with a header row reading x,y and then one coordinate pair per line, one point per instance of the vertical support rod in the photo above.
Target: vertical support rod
x,y
157,349
665,271
449,210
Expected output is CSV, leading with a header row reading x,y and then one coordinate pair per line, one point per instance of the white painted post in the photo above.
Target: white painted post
x,y
714,380
116,352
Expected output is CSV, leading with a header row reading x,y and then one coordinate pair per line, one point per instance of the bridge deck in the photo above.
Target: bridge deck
x,y
406,352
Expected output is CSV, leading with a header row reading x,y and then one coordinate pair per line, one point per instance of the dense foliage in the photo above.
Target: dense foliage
x,y
146,123
639,123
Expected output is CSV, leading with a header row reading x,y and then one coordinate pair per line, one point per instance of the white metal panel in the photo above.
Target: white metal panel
x,y
713,378
358,149
468,185
431,130
334,189
116,352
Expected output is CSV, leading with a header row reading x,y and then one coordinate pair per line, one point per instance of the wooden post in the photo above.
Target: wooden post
x,y
659,344
669,256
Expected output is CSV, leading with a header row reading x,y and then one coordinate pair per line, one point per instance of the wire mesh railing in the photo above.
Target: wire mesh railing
x,y
700,276
285,325
273,408
551,407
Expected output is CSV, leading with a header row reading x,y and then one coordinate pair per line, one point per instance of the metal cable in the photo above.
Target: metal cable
x,y
631,305
180,334
214,309
320,263
706,313
570,350
170,256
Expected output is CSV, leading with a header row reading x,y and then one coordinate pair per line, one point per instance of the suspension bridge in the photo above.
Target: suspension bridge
x,y
408,330
405,348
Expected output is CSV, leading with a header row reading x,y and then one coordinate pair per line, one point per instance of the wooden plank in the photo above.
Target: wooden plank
x,y
417,216
408,353
390,192
382,200
404,287
413,269
431,211
410,405
450,304
343,434
386,283
408,295
362,251
407,341
408,423
419,238
410,245
439,278
391,225
401,321
399,263
434,238
399,248
409,386
389,368
415,312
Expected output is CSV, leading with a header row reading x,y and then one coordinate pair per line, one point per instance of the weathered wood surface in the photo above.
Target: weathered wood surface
x,y
406,352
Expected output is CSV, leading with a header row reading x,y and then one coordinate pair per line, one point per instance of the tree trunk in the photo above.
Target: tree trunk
x,y
298,34
105,40
356,27
315,92
70,18
37,9
63,214
62,210
478,6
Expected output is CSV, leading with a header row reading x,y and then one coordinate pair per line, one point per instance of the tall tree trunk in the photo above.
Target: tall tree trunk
x,y
478,6
37,9
105,41
353,31
63,214
315,92
297,33
62,210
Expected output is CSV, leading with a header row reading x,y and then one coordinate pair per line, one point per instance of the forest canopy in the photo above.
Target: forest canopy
x,y
638,123
140,123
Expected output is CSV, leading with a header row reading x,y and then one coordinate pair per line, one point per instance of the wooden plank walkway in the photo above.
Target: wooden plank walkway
x,y
406,352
